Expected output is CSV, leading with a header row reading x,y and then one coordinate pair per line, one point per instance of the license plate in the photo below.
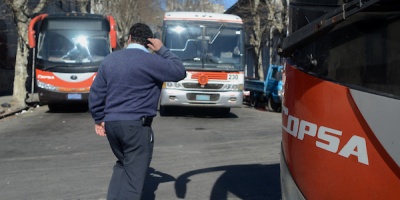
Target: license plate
x,y
74,96
202,97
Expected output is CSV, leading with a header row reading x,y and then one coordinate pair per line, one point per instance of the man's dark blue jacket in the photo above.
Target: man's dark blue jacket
x,y
129,81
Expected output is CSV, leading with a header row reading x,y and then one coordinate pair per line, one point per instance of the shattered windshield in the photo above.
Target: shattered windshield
x,y
210,45
73,46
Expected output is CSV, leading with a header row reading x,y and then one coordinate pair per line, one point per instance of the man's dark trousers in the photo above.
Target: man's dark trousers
x,y
132,144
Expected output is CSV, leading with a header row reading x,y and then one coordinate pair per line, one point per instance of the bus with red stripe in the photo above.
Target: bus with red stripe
x,y
211,47
341,102
68,49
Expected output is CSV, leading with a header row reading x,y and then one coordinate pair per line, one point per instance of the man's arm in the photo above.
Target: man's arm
x,y
175,70
97,97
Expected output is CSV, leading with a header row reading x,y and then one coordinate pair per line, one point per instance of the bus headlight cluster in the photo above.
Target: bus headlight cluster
x,y
46,86
234,87
173,85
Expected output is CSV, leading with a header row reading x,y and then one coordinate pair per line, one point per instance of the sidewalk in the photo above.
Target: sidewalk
x,y
6,109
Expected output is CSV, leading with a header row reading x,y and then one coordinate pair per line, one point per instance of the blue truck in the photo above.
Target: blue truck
x,y
267,93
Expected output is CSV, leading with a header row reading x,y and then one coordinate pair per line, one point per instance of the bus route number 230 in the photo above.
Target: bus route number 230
x,y
233,76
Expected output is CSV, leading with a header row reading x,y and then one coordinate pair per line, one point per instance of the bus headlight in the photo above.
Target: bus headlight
x,y
172,85
234,87
46,86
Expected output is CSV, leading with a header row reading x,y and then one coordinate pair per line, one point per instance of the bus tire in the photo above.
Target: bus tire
x,y
53,107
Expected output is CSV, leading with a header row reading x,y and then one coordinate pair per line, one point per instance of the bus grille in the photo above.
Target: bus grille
x,y
206,86
211,75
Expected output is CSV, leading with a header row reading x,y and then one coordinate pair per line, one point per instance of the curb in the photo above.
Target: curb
x,y
7,114
30,102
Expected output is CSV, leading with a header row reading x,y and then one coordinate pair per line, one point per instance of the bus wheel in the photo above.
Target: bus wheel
x,y
54,107
272,105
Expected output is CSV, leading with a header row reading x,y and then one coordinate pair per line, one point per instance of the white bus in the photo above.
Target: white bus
x,y
211,47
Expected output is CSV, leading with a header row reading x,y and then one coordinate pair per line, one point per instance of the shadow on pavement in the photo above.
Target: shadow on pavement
x,y
153,179
256,182
68,108
199,112
244,181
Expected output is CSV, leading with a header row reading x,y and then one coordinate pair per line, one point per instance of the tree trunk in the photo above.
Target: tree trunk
x,y
21,13
19,92
256,40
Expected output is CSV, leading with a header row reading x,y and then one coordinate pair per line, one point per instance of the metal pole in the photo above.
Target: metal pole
x,y
33,74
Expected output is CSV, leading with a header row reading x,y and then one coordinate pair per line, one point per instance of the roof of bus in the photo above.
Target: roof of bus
x,y
205,16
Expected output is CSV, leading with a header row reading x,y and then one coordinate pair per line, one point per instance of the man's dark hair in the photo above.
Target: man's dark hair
x,y
139,33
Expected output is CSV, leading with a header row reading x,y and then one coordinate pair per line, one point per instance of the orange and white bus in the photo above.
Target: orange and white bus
x,y
211,47
68,49
341,104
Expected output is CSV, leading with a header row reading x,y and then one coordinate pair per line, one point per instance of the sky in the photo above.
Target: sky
x,y
229,3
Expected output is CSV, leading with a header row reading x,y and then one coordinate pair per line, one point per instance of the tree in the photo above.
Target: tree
x,y
265,22
195,5
128,12
22,11
83,4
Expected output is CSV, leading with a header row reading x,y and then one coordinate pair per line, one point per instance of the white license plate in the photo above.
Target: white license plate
x,y
74,96
202,97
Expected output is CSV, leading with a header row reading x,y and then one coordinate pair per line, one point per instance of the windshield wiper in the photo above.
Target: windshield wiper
x,y
188,30
221,27
191,59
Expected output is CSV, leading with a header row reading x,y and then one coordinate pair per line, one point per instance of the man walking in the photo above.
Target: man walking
x,y
123,100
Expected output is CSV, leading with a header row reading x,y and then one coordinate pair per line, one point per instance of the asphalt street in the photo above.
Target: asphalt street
x,y
197,155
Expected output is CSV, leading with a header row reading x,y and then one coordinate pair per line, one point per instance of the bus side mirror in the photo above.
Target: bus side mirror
x,y
31,39
113,32
31,32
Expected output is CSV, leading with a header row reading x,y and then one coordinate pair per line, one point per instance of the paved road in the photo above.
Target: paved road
x,y
52,156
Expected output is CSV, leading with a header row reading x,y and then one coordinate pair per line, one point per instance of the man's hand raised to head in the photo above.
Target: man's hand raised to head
x,y
155,44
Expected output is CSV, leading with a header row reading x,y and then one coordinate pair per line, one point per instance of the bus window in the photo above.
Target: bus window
x,y
361,53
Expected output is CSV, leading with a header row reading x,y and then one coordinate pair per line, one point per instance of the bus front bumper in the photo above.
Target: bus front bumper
x,y
225,99
50,97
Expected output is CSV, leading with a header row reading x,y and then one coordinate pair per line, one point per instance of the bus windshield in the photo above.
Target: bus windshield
x,y
73,46
210,45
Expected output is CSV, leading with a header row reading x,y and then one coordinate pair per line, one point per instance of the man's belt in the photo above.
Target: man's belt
x,y
146,121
